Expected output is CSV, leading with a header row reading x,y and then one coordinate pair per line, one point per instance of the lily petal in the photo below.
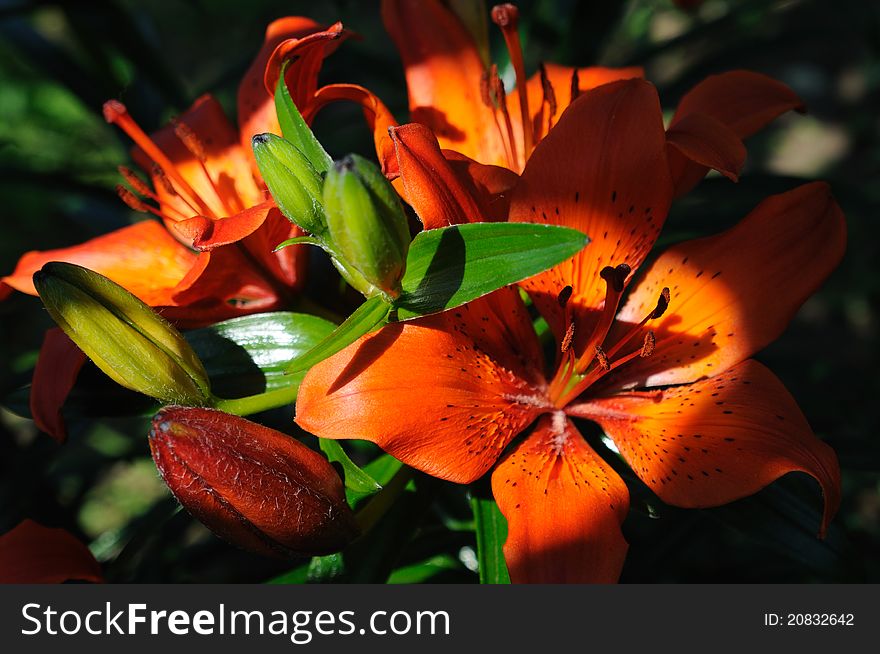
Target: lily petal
x,y
564,506
709,142
33,554
715,441
256,107
144,258
490,186
742,100
378,118
459,394
207,234
57,368
443,72
734,293
430,185
601,170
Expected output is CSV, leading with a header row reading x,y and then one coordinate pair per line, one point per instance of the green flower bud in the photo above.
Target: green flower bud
x,y
292,180
122,335
367,226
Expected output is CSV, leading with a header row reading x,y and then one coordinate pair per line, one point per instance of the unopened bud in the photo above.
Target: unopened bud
x,y
122,335
293,181
253,486
366,222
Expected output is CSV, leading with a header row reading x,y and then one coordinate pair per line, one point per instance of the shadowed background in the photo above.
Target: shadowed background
x,y
60,61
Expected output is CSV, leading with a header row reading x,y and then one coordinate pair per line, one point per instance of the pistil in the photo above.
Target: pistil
x,y
506,17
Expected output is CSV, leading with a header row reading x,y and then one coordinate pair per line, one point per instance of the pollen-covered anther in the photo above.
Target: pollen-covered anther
x,y
648,345
662,304
566,340
575,85
133,201
162,179
602,358
547,88
485,90
139,185
190,140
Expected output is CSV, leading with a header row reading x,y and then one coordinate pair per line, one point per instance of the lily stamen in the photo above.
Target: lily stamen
x,y
656,312
615,279
497,87
549,95
116,113
506,17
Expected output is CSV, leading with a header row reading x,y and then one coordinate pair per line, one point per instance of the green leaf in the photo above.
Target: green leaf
x,y
248,355
491,530
295,130
367,316
450,266
355,479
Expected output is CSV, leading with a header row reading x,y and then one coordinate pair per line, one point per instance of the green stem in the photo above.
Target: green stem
x,y
245,406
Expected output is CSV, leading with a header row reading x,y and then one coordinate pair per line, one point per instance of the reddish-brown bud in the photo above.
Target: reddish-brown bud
x,y
253,486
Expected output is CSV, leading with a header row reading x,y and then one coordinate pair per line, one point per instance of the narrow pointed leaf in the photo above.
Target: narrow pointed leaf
x,y
299,240
295,130
367,316
491,530
450,266
355,479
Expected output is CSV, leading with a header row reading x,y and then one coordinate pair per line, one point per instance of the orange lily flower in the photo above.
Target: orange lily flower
x,y
464,102
661,364
208,194
210,256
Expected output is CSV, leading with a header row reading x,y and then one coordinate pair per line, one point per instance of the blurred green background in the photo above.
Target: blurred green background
x,y
60,61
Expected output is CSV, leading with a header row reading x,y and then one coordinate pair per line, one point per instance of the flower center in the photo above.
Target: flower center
x,y
167,174
576,373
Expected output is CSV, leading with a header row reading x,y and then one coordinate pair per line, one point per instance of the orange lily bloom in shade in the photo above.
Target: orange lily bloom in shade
x,y
661,363
207,192
33,554
452,92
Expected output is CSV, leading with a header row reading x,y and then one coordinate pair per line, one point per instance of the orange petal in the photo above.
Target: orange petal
x,y
734,293
717,440
33,554
144,258
708,142
490,186
56,371
290,264
564,506
231,187
306,55
222,284
443,73
378,118
256,107
207,234
461,385
430,186
601,170
742,100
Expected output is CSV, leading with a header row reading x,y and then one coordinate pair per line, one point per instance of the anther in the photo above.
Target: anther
x,y
134,181
547,87
133,201
575,85
602,358
162,179
189,139
662,304
564,296
566,340
648,345
485,90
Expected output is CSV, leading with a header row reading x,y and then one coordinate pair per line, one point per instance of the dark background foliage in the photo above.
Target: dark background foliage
x,y
60,60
